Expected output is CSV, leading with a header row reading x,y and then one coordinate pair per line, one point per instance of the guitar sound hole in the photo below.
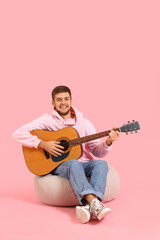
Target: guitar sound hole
x,y
65,144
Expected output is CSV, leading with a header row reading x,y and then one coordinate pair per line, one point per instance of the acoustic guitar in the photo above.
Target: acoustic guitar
x,y
40,162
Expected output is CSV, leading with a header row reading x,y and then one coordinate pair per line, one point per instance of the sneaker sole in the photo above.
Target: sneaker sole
x,y
103,213
82,214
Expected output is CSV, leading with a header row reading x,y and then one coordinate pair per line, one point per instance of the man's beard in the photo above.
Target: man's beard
x,y
63,114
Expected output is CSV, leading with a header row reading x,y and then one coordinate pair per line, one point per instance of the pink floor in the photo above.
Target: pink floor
x,y
24,217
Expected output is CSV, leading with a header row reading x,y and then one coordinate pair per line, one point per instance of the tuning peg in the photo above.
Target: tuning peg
x,y
128,121
133,120
135,131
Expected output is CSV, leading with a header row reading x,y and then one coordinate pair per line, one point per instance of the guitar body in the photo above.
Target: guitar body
x,y
40,162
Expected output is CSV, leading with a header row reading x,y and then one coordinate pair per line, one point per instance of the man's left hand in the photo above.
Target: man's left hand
x,y
113,135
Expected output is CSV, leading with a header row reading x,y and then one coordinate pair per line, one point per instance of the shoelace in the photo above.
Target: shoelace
x,y
97,206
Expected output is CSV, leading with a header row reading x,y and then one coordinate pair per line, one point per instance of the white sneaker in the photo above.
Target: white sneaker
x,y
98,209
83,213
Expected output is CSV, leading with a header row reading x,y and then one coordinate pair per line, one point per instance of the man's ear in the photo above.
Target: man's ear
x,y
52,103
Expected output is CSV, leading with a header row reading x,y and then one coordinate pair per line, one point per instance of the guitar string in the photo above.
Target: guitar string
x,y
88,138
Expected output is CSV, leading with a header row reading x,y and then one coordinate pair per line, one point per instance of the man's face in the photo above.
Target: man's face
x,y
62,103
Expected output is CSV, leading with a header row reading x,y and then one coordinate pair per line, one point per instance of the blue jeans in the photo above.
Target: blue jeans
x,y
78,172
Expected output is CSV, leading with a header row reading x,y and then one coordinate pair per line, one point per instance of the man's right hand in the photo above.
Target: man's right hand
x,y
52,147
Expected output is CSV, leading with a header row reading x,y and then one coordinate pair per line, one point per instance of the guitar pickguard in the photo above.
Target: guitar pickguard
x,y
60,158
56,159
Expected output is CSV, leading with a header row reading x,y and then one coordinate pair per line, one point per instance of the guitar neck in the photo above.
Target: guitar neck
x,y
88,138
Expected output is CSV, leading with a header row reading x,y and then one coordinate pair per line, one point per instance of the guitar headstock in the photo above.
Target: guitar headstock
x,y
130,127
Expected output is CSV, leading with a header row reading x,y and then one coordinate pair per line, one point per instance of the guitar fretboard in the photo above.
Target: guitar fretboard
x,y
81,140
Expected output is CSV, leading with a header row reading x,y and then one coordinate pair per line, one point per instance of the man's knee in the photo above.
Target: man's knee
x,y
101,164
73,163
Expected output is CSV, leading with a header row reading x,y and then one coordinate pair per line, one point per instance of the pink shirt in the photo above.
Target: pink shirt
x,y
54,122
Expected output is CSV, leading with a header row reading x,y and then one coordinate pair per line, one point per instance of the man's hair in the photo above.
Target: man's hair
x,y
60,89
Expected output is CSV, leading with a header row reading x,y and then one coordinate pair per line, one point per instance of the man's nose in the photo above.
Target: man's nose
x,y
63,101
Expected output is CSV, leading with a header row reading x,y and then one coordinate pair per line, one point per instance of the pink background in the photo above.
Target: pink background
x,y
108,53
